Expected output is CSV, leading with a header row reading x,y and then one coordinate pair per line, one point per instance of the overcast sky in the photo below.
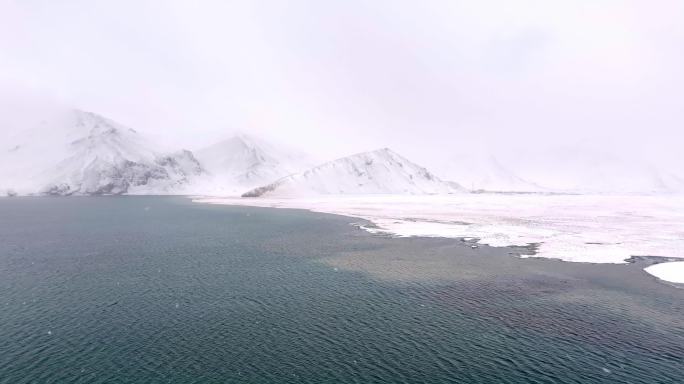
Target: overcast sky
x,y
341,76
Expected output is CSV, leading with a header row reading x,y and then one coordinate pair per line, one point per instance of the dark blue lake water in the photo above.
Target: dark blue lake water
x,y
161,290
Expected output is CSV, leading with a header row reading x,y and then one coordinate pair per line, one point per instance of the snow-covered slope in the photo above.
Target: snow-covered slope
x,y
483,173
377,172
75,152
244,162
586,170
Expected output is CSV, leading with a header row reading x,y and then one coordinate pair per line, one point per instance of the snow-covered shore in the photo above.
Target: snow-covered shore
x,y
576,228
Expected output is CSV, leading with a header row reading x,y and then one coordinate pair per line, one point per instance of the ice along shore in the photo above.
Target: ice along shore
x,y
574,228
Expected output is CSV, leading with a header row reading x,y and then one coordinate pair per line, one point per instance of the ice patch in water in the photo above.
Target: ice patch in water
x,y
672,272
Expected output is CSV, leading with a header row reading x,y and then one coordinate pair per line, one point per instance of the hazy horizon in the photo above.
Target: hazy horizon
x,y
442,77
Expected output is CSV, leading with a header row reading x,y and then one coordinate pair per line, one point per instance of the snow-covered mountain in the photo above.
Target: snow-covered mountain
x,y
76,152
377,172
579,169
483,173
242,162
52,149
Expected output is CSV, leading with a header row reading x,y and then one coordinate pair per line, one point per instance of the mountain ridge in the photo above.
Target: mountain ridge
x,y
372,172
244,161
85,153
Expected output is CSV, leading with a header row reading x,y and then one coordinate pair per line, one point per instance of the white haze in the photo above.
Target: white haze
x,y
428,79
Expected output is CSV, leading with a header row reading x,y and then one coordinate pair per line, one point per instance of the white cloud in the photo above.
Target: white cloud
x,y
346,76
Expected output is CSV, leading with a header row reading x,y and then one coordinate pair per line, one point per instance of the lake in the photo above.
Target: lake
x,y
163,290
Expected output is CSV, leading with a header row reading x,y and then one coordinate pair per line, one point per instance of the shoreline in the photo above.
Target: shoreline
x,y
576,228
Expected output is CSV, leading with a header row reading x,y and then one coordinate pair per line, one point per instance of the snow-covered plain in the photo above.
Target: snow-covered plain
x,y
576,228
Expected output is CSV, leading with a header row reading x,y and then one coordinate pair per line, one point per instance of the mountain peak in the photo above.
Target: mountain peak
x,y
380,171
383,153
242,139
246,160
80,152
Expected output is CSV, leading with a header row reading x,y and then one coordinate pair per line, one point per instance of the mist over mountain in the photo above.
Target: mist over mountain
x,y
479,172
426,79
52,149
244,161
582,168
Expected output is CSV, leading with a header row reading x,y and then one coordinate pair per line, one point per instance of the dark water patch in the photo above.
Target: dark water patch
x,y
159,290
